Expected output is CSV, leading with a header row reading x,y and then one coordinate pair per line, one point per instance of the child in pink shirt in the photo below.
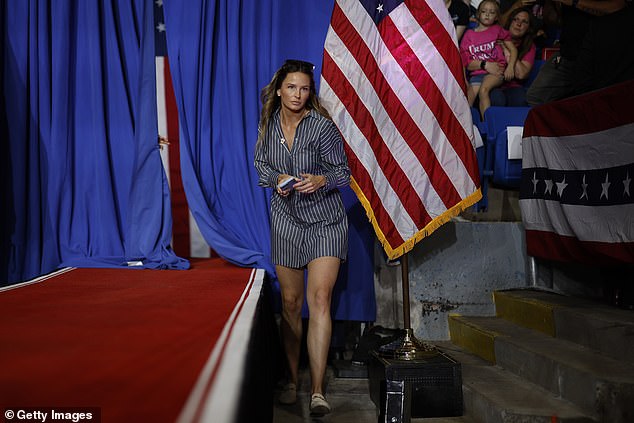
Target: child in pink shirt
x,y
483,56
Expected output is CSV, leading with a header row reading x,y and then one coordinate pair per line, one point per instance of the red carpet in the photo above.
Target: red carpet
x,y
130,342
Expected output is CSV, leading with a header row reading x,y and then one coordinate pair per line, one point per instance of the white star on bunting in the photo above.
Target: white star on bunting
x,y
584,187
549,186
561,186
604,187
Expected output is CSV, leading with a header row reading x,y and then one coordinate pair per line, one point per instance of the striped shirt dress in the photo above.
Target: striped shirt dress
x,y
305,226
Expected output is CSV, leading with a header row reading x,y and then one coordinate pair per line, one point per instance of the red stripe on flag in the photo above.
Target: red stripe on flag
x,y
363,118
430,24
364,183
428,90
404,123
180,209
613,102
570,249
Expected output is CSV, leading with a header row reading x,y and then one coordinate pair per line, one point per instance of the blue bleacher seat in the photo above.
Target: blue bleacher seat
x,y
481,155
534,71
504,172
475,116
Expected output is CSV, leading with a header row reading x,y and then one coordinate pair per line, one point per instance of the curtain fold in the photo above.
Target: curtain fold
x,y
210,45
221,53
84,185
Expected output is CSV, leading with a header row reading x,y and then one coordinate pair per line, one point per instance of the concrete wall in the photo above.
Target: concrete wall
x,y
454,270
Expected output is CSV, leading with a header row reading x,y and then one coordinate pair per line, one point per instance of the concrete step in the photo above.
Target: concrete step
x,y
494,395
601,386
597,326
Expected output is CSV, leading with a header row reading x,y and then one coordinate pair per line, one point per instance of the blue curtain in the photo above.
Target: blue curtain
x,y
82,180
221,53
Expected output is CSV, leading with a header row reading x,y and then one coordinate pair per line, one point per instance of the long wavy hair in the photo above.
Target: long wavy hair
x,y
271,101
527,39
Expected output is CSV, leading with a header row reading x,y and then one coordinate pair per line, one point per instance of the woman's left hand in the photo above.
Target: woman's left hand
x,y
310,183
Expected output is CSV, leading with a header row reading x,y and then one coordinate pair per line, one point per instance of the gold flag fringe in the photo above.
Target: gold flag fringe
x,y
408,245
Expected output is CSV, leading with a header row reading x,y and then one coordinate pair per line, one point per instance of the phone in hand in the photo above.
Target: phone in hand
x,y
287,183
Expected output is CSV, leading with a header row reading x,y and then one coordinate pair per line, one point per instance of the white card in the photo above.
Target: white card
x,y
514,141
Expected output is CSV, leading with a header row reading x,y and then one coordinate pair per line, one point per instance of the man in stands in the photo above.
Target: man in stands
x,y
595,50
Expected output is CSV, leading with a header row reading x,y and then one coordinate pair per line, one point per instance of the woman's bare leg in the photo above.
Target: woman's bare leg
x,y
292,290
322,275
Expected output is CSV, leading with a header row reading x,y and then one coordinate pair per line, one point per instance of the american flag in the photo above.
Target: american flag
x,y
187,241
576,193
394,84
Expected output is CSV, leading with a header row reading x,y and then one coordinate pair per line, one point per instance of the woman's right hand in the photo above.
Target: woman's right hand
x,y
282,192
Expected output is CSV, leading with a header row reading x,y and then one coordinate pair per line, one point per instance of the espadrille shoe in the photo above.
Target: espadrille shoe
x,y
288,395
318,405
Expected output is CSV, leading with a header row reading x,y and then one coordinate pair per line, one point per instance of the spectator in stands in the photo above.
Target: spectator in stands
x,y
543,35
559,77
606,56
508,6
483,56
521,27
459,12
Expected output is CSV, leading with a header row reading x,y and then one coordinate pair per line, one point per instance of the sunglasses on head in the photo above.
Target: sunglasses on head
x,y
300,64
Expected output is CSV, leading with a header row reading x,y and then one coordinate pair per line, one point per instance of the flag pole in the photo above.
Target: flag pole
x,y
408,348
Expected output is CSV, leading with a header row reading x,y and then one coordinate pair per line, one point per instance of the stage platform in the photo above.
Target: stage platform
x,y
131,345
